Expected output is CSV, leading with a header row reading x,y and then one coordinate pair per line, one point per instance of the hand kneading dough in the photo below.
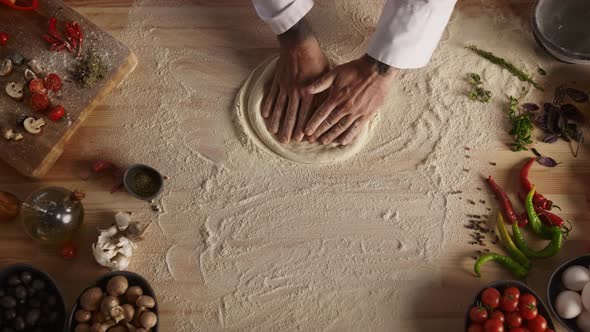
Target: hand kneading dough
x,y
248,106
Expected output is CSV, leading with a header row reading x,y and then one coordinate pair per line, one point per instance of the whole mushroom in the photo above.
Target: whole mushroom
x,y
133,293
148,319
108,303
91,298
82,316
6,67
129,312
15,90
117,286
145,301
83,327
101,327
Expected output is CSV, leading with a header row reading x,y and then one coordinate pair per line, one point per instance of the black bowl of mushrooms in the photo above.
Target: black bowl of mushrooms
x,y
117,302
30,300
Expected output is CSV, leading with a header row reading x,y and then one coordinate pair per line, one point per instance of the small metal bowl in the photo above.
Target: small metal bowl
x,y
561,29
134,280
60,325
555,286
136,169
503,284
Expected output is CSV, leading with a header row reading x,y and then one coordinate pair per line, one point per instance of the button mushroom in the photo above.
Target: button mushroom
x,y
101,327
82,316
90,299
15,90
29,75
129,312
148,319
133,293
82,328
33,125
6,67
107,304
117,286
145,301
10,134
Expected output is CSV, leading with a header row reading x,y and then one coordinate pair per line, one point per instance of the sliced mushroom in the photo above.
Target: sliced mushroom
x,y
15,90
29,75
6,67
10,134
36,67
33,125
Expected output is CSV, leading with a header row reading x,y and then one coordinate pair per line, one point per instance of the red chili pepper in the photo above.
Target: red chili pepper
x,y
11,4
548,218
75,36
538,200
523,219
511,217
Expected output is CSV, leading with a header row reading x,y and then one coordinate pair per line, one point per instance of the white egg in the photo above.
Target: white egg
x,y
583,321
575,277
586,296
568,304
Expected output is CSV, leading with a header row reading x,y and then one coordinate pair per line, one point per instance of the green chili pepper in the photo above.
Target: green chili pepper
x,y
536,224
518,255
517,270
551,249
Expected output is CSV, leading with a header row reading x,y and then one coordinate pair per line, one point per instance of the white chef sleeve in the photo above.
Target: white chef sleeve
x,y
409,31
281,15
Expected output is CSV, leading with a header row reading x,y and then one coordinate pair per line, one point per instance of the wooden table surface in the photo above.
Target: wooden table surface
x,y
444,308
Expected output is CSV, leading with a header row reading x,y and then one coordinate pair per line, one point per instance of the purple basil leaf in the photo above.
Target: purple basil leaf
x,y
577,95
553,118
547,161
551,138
530,107
571,112
559,95
541,121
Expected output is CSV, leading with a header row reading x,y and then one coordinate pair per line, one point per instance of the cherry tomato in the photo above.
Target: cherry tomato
x,y
526,308
68,251
537,324
478,314
513,319
527,299
53,82
3,38
513,291
56,113
475,328
37,86
508,303
490,297
499,315
518,329
493,325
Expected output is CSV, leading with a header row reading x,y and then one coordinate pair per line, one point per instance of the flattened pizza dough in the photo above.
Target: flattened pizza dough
x,y
248,104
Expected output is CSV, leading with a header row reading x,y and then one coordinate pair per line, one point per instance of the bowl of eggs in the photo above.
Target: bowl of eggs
x,y
568,294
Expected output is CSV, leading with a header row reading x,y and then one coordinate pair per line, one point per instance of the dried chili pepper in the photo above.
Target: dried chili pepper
x,y
75,37
72,42
550,249
512,249
504,201
539,200
517,270
34,5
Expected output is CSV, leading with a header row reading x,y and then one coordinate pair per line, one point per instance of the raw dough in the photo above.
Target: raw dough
x,y
248,105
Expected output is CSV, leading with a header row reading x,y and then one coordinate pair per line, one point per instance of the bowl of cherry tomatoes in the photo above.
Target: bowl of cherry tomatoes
x,y
508,306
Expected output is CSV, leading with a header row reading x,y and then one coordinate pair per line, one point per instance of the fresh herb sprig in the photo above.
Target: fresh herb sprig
x,y
522,126
519,73
477,92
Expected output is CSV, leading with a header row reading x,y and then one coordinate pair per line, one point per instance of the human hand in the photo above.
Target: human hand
x,y
286,105
357,89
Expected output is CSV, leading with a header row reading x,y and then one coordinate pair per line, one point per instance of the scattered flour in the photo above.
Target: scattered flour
x,y
251,241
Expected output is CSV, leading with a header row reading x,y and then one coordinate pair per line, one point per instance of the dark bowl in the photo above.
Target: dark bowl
x,y
51,286
554,287
560,28
503,284
134,280
136,169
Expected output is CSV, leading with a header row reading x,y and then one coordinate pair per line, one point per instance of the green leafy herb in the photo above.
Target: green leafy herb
x,y
90,70
519,73
522,126
541,71
477,92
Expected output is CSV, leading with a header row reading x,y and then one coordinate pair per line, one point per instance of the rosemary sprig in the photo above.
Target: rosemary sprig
x,y
477,92
519,73
522,126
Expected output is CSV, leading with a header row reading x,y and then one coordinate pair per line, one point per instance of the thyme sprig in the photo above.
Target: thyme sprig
x,y
519,73
522,126
477,92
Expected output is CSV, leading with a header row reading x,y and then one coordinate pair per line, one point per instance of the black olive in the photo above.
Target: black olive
x,y
8,302
43,321
17,58
51,301
33,317
53,317
20,292
34,303
14,280
2,292
19,323
9,314
26,277
38,284
7,329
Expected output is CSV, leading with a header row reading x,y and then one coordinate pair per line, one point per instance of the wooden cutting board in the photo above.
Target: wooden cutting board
x,y
34,155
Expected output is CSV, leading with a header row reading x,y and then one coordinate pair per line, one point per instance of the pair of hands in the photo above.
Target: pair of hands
x,y
307,99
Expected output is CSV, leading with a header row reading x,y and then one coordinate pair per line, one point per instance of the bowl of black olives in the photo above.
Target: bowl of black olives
x,y
30,301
